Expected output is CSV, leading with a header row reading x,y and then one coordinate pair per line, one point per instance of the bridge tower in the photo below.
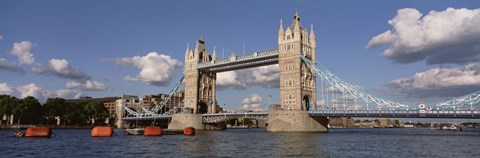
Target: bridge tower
x,y
199,85
297,81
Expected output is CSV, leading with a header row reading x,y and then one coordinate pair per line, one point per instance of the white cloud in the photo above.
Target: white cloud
x,y
60,68
38,92
64,93
381,39
155,69
1,37
131,79
228,79
23,50
88,85
6,89
94,86
450,36
265,76
253,103
30,90
437,82
73,85
10,66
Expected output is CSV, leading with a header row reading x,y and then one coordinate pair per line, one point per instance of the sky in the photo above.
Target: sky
x,y
409,51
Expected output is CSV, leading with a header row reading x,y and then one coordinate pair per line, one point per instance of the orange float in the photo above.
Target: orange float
x,y
38,132
189,131
152,131
102,132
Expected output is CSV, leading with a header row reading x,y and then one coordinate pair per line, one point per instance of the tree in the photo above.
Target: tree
x,y
7,103
95,111
74,114
29,109
54,107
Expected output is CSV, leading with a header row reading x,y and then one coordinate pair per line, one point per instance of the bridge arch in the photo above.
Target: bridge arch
x,y
306,103
202,107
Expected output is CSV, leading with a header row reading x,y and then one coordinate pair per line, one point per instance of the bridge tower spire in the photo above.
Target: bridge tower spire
x,y
281,32
214,55
297,82
313,45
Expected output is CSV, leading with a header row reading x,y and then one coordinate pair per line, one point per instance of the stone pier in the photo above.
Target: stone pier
x,y
180,121
295,121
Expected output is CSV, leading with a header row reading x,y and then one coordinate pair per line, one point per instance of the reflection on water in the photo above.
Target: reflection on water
x,y
249,143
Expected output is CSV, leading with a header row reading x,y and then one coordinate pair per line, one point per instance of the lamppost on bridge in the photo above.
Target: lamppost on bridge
x,y
270,99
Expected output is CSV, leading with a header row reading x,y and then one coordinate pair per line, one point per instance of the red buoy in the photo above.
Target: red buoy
x,y
152,131
189,131
102,132
38,132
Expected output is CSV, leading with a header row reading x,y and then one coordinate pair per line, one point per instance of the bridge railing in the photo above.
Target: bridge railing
x,y
219,117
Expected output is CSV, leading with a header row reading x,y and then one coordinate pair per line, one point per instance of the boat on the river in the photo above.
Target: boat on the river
x,y
452,127
135,131
19,134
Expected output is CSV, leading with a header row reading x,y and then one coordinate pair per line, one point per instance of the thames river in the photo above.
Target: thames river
x,y
374,142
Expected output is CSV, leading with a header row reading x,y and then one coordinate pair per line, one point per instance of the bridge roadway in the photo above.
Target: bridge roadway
x,y
218,117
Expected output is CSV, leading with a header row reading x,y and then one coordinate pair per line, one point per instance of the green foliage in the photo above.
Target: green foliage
x,y
247,121
30,111
74,114
7,103
397,122
95,110
54,107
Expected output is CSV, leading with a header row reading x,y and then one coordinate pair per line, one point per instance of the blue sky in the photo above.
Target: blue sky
x,y
94,36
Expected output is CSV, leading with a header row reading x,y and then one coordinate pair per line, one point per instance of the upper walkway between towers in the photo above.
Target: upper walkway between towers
x,y
241,62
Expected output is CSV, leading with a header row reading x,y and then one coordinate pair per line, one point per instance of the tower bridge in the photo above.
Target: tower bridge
x,y
298,72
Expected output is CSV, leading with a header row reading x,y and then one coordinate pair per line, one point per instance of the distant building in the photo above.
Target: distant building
x,y
384,122
341,122
275,107
131,102
408,124
108,102
150,101
367,123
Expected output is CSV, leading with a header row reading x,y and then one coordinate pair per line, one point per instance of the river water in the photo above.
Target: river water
x,y
375,142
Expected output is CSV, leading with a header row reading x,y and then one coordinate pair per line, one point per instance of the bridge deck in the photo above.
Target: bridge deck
x,y
211,118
